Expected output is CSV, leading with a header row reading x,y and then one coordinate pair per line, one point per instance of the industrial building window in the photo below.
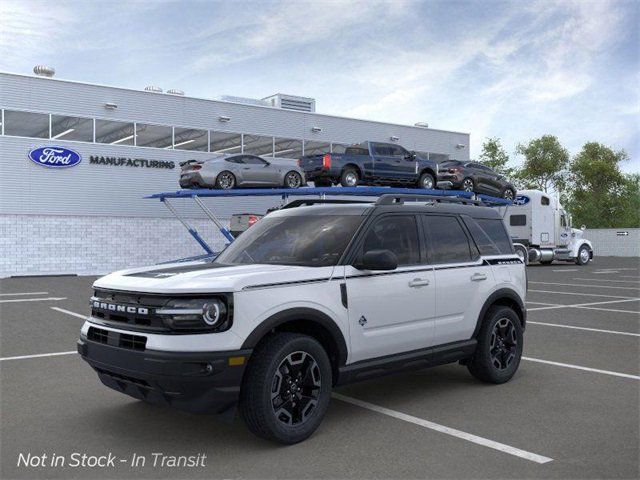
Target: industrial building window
x,y
518,220
225,142
287,148
545,200
316,148
26,124
114,133
191,139
72,128
158,136
258,145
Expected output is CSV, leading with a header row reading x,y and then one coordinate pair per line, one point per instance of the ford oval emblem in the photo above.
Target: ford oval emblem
x,y
521,200
55,157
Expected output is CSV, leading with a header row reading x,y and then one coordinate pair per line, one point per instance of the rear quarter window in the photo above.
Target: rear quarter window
x,y
490,235
447,240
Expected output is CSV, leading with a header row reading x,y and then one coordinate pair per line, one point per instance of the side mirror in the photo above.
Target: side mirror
x,y
583,228
410,156
378,260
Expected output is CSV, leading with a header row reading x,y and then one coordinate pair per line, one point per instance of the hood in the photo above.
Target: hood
x,y
577,233
196,277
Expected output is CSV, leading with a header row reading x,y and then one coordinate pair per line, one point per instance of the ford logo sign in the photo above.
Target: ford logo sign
x,y
521,200
55,157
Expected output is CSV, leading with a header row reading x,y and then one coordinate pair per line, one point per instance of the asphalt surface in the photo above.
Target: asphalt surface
x,y
577,417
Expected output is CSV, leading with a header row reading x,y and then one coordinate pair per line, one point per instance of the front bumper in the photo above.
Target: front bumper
x,y
206,382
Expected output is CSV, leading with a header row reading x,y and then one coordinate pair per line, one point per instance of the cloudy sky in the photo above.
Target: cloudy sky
x,y
515,70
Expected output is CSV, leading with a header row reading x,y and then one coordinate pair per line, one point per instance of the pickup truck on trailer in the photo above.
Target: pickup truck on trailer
x,y
371,163
541,230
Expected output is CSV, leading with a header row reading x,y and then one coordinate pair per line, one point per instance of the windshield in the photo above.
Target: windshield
x,y
313,241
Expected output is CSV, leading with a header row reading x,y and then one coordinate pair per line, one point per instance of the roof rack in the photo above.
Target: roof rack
x,y
392,199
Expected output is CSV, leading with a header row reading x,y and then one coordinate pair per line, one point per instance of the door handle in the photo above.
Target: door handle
x,y
418,282
476,277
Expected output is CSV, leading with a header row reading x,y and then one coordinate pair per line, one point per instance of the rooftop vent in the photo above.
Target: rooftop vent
x,y
422,124
153,88
292,102
44,71
175,91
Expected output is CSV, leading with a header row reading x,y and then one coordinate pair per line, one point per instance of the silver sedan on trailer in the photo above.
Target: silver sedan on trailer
x,y
241,170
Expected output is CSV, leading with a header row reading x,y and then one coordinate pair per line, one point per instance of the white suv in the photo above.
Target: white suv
x,y
309,298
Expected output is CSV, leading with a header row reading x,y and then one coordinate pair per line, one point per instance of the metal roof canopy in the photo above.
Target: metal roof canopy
x,y
322,192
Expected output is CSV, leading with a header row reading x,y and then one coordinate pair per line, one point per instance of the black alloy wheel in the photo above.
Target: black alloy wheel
x,y
500,346
295,389
504,344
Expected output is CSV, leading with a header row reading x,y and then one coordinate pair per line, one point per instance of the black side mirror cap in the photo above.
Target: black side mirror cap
x,y
377,260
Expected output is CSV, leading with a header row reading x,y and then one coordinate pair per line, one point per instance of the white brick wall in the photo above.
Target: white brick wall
x,y
608,242
44,245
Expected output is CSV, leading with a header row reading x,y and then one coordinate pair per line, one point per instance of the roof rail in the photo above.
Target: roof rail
x,y
391,199
314,201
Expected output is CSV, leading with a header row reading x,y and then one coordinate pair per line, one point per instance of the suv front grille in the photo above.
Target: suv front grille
x,y
116,339
129,309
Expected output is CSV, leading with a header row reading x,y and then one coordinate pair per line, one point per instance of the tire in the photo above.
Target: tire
x,y
584,256
523,253
488,365
225,180
468,185
349,177
508,194
266,369
427,182
292,179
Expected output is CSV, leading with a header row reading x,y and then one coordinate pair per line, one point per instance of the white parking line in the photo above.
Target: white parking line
x,y
540,303
566,270
48,299
23,357
609,310
485,442
607,280
583,328
586,305
589,286
629,276
68,312
582,294
578,367
23,293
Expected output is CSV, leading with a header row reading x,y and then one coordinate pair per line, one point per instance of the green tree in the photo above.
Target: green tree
x,y
601,195
545,164
495,156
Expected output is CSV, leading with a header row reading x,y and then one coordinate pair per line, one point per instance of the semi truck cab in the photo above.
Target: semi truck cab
x,y
541,230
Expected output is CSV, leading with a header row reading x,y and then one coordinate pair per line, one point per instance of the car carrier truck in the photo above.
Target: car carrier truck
x,y
541,230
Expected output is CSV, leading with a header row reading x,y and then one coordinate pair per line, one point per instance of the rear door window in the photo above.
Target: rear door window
x,y
448,240
398,234
490,235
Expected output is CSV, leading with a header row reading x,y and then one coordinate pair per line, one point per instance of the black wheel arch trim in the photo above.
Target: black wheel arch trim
x,y
495,297
300,314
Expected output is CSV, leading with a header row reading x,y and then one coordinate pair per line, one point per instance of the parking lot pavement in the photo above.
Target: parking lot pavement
x,y
576,416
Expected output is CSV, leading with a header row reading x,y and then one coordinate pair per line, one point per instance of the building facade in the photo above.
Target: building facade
x,y
92,217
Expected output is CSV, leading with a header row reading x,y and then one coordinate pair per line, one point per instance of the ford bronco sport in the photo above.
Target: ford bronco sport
x,y
310,298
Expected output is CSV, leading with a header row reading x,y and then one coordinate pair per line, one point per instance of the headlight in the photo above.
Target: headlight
x,y
210,314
